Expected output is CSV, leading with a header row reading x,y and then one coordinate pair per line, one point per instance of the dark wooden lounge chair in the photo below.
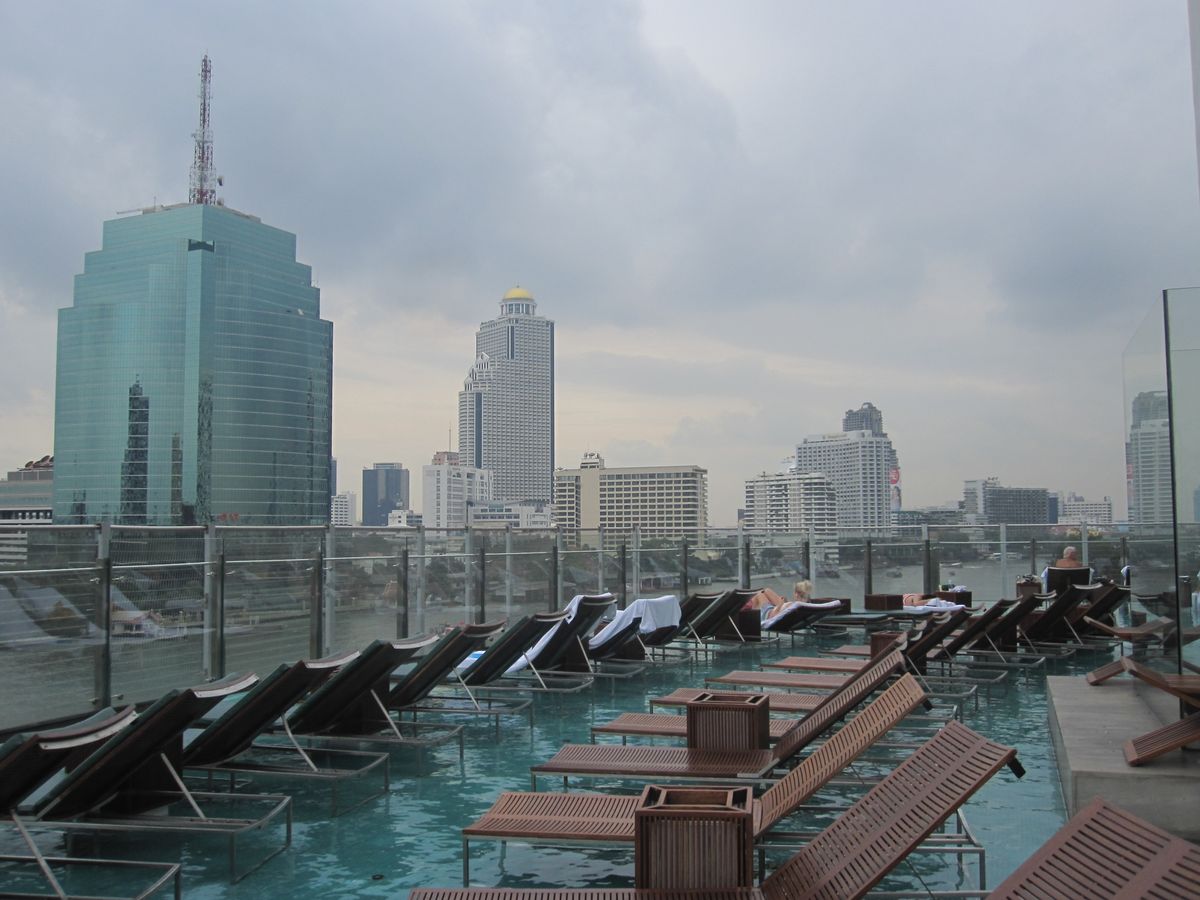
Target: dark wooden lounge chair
x,y
1059,580
562,652
971,631
1185,687
718,614
1172,736
681,763
1102,852
1150,630
133,782
857,850
228,744
802,614
602,818
341,701
28,760
780,703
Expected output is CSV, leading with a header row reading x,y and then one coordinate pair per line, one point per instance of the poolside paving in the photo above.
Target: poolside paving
x,y
1090,724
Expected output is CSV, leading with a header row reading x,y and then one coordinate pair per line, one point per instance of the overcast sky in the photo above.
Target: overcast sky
x,y
745,218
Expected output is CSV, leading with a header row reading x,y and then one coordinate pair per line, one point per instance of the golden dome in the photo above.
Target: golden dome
x,y
518,293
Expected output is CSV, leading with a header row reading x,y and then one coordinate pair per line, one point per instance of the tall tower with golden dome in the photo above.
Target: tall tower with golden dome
x,y
506,406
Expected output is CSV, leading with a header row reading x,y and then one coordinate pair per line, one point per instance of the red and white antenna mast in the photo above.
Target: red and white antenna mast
x,y
203,181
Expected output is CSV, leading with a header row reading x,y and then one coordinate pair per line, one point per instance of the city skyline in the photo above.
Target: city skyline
x,y
741,230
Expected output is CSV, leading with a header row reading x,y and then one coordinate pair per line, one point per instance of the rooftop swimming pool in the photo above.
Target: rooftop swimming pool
x,y
411,836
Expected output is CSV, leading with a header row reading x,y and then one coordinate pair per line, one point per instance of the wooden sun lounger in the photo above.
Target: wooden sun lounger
x,y
817,664
582,818
780,703
856,851
1152,630
1161,741
786,680
1185,687
227,745
133,783
972,629
680,763
1104,851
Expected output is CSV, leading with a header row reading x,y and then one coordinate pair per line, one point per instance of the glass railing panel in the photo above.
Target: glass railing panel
x,y
54,655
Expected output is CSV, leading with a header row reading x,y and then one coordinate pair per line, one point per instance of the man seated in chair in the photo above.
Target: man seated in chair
x,y
1070,559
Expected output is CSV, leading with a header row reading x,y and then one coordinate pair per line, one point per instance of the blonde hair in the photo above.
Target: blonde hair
x,y
804,589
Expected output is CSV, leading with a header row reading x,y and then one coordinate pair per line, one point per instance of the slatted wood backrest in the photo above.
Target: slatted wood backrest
x,y
934,633
714,615
236,729
131,758
841,749
838,704
27,760
1106,852
870,838
519,638
1005,633
1156,679
432,668
562,647
344,697
973,629
1048,622
1153,744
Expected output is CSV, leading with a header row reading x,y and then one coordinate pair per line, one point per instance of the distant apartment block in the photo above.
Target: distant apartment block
x,y
343,509
506,406
404,518
867,417
929,515
793,502
385,487
449,489
1148,461
26,497
662,500
529,514
863,469
1075,510
987,502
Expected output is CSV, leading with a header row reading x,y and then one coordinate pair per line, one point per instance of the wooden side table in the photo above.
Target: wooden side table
x,y
694,838
729,721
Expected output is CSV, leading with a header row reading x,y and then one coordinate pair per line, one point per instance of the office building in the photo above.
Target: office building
x,y
26,497
343,509
863,469
194,371
664,501
384,488
332,475
1148,468
1076,510
793,502
506,407
987,502
527,514
449,489
866,418
194,377
404,518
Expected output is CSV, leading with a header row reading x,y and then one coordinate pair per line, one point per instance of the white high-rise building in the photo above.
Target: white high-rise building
x,y
343,509
448,490
506,406
796,502
1075,510
661,500
862,468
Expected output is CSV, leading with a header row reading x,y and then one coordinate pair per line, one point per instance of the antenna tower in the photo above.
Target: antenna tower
x,y
203,181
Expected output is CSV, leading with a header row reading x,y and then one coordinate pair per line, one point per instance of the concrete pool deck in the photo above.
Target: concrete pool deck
x,y
1089,725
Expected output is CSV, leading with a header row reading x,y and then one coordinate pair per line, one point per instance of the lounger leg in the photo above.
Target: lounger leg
x,y
466,863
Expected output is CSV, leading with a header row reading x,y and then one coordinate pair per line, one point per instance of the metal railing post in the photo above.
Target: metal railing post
x,y
552,587
468,564
558,548
929,583
747,561
508,571
683,569
1033,556
868,578
636,580
741,560
316,618
402,595
103,670
482,584
217,665
600,561
621,571
210,625
1004,582
420,629
1083,541
329,594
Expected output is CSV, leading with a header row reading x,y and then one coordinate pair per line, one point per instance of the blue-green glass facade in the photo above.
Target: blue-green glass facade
x,y
194,377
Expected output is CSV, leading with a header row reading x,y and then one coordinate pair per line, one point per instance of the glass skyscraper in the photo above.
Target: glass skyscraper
x,y
506,406
194,377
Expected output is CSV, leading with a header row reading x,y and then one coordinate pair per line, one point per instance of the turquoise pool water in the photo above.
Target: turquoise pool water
x,y
411,836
